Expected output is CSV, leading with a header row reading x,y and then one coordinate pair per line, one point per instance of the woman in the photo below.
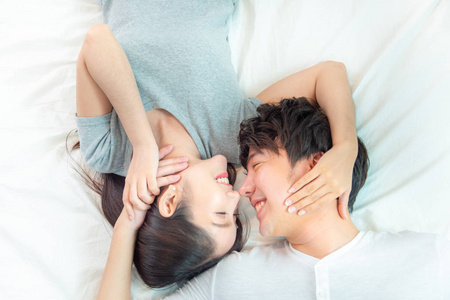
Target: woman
x,y
185,94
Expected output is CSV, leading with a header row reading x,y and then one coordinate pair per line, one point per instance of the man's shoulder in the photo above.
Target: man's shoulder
x,y
253,257
402,235
421,241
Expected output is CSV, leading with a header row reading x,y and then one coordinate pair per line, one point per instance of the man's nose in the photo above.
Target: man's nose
x,y
247,188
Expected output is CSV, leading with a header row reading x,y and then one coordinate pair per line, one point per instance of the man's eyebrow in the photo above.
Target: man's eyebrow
x,y
252,155
226,225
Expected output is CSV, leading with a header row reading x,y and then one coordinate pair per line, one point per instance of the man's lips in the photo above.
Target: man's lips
x,y
256,201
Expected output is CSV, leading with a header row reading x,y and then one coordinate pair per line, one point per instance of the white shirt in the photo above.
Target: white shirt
x,y
381,265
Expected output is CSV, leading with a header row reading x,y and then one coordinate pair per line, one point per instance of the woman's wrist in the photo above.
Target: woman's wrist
x,y
349,146
145,145
124,224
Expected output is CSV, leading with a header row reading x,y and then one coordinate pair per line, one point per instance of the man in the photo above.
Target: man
x,y
323,256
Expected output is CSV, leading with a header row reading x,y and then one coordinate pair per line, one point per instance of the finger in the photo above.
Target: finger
x,y
316,204
170,161
135,201
307,178
343,205
305,191
171,169
152,187
142,191
126,201
164,151
166,180
139,205
309,199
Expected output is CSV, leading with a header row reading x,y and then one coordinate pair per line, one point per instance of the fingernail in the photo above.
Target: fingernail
x,y
288,202
291,191
184,158
301,212
185,164
131,218
291,209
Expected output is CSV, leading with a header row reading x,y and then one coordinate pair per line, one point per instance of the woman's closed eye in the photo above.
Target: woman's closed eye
x,y
224,214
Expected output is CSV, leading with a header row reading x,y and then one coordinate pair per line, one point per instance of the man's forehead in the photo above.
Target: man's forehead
x,y
263,151
253,152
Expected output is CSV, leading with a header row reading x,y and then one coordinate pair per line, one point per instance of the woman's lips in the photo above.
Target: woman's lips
x,y
222,179
222,175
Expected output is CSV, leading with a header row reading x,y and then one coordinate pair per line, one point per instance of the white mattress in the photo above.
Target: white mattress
x,y
54,239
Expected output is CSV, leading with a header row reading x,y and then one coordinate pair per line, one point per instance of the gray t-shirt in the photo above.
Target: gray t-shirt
x,y
181,60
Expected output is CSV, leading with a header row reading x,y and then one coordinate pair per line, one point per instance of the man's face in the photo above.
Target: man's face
x,y
267,183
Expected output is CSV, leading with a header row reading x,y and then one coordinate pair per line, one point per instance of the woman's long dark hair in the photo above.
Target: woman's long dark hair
x,y
168,250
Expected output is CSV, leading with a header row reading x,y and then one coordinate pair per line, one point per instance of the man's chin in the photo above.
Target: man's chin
x,y
264,230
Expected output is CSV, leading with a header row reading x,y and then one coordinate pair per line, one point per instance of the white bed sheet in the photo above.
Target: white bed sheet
x,y
53,238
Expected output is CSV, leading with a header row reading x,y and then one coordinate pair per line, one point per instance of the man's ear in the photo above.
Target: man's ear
x,y
168,201
315,159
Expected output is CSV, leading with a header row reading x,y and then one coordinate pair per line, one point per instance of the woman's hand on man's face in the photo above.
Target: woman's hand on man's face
x,y
137,197
330,179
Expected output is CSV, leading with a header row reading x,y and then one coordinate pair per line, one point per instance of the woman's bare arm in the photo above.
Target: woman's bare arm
x,y
116,280
105,80
327,83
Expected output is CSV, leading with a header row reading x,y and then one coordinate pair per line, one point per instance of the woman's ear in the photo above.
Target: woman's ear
x,y
168,201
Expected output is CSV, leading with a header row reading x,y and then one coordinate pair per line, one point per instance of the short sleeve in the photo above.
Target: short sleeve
x,y
104,144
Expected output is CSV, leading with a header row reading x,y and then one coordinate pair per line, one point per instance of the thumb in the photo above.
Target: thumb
x,y
165,150
343,205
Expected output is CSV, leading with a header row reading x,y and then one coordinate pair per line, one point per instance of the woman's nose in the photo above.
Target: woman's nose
x,y
220,159
234,195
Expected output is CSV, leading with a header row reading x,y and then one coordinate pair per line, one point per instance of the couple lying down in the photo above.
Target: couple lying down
x,y
193,222
174,214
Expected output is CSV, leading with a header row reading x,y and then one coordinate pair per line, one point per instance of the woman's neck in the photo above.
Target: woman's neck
x,y
167,130
323,233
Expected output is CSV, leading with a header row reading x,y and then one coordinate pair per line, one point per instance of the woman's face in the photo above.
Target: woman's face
x,y
212,200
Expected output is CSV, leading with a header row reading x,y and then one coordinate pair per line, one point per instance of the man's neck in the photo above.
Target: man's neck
x,y
323,234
